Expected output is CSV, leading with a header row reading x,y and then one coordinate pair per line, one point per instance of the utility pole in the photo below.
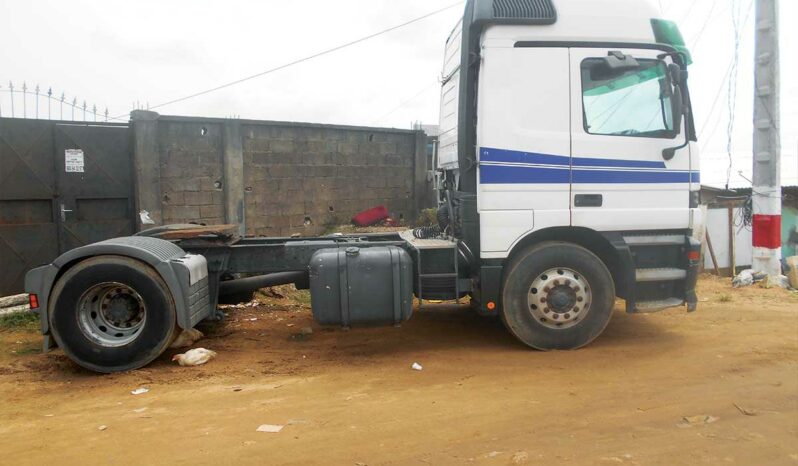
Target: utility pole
x,y
767,143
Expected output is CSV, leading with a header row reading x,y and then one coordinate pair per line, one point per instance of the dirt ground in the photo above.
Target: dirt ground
x,y
714,387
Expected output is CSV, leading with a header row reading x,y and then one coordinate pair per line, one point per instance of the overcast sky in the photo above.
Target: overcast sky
x,y
114,53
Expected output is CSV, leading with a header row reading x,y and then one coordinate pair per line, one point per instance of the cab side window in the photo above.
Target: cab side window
x,y
634,102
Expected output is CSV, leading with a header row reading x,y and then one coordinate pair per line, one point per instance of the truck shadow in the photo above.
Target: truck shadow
x,y
444,329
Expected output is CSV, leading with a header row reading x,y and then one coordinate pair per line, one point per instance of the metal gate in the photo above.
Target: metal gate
x,y
62,185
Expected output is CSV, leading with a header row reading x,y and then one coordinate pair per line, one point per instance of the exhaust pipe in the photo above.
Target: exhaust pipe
x,y
252,284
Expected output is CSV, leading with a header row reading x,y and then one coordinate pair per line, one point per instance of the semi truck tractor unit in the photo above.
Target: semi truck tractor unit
x,y
567,177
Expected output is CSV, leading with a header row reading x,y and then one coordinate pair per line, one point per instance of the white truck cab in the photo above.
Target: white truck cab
x,y
567,124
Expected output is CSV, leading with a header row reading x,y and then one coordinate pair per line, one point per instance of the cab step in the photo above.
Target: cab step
x,y
655,240
660,275
660,305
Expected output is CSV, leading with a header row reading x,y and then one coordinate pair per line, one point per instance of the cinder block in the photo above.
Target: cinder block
x,y
281,146
181,214
174,198
294,172
376,181
212,211
347,148
200,198
357,136
209,184
210,158
257,145
311,134
288,132
387,148
180,184
332,134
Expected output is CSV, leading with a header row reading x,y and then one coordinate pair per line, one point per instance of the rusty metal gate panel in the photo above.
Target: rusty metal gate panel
x,y
96,203
35,186
28,229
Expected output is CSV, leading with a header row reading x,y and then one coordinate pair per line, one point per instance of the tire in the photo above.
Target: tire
x,y
557,296
112,314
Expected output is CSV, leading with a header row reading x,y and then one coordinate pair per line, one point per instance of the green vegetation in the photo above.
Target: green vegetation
x,y
724,298
427,217
22,321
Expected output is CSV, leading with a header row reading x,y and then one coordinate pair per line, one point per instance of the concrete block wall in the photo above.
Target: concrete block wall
x,y
303,179
275,178
192,173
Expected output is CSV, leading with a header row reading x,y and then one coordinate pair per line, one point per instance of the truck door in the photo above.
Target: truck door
x,y
621,121
523,140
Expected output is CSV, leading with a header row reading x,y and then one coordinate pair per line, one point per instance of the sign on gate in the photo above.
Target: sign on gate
x,y
74,161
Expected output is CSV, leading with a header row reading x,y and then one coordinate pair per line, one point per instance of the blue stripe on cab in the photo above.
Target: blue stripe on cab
x,y
497,174
616,177
495,169
511,156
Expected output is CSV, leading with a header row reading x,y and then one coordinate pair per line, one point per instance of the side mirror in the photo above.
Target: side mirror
x,y
677,103
680,109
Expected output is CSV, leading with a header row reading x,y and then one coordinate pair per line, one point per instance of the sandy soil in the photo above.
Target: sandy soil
x,y
351,398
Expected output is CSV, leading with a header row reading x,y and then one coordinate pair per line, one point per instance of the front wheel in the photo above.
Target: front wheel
x,y
112,313
557,296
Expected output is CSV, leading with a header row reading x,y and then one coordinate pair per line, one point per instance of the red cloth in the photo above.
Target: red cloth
x,y
371,216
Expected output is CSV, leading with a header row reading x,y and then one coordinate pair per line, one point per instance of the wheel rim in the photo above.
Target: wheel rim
x,y
111,314
559,298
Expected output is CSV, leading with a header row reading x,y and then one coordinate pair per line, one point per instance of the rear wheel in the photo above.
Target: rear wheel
x,y
557,296
112,313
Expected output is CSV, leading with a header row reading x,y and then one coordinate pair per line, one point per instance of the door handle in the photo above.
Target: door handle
x,y
588,200
64,211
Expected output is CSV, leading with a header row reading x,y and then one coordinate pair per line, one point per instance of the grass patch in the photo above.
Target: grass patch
x,y
302,296
427,217
287,292
21,321
724,298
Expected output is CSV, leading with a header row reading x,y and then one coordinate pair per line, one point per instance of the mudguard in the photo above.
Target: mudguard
x,y
186,275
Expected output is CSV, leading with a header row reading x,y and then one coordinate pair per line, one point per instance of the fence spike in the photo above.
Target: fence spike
x,y
24,99
11,91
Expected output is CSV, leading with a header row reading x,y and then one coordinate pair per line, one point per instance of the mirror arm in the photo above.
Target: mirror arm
x,y
670,152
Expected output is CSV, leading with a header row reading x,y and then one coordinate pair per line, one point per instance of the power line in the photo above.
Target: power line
x,y
732,92
308,58
689,10
704,26
401,105
726,76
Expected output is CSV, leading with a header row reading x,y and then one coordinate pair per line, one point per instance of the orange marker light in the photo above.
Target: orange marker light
x,y
694,255
34,301
491,306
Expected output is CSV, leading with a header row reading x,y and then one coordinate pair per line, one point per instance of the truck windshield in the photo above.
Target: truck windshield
x,y
634,102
